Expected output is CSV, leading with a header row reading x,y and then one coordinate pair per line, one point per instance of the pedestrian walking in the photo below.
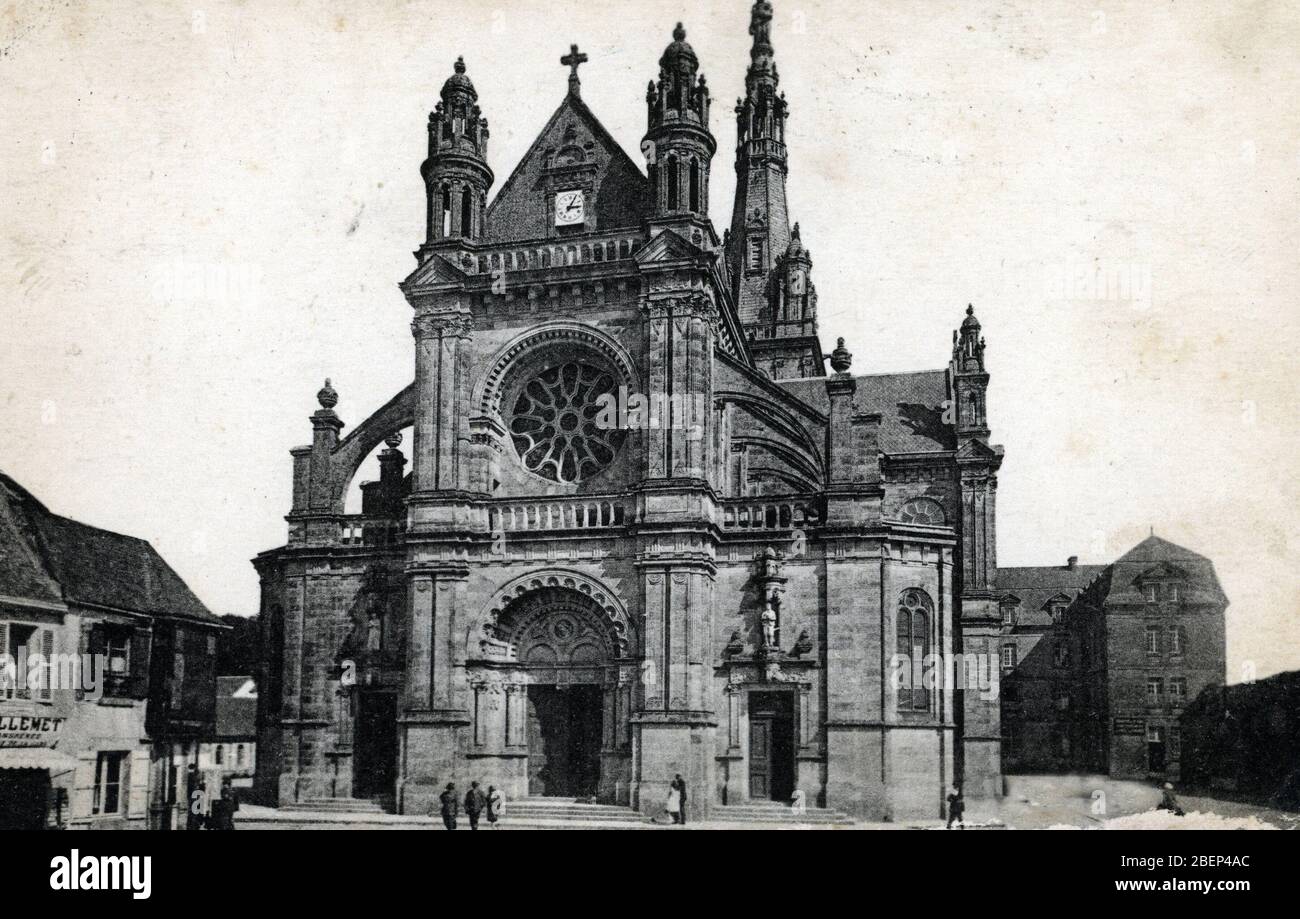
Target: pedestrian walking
x,y
679,786
450,805
496,803
956,809
1169,803
224,808
475,802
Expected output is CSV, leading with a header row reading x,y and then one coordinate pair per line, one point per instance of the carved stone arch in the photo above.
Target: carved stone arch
x,y
490,632
488,388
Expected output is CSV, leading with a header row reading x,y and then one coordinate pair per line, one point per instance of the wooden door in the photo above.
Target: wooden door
x,y
760,759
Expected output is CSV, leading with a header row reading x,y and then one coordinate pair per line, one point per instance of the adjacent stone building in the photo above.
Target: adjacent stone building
x,y
1100,663
106,676
643,532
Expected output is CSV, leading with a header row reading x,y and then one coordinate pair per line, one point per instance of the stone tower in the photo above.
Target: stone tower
x,y
456,174
770,269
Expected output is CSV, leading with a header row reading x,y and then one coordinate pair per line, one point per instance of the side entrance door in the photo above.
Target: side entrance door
x,y
375,750
760,758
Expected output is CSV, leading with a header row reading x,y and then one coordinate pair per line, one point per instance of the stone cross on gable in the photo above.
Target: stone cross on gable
x,y
573,60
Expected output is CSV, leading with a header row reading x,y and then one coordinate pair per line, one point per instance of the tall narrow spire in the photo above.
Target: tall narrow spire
x,y
768,265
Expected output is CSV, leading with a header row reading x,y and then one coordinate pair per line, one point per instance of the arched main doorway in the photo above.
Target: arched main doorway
x,y
563,649
564,657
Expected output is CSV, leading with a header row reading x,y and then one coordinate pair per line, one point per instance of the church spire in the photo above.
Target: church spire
x,y
769,267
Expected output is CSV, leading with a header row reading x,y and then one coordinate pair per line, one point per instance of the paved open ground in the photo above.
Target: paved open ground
x,y
1031,802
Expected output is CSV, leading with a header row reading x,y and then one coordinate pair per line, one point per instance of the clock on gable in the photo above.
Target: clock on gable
x,y
570,208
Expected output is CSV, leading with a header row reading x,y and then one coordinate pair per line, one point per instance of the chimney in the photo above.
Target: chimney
x,y
1072,562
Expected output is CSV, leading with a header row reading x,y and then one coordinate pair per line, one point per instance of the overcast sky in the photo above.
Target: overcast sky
x,y
1000,153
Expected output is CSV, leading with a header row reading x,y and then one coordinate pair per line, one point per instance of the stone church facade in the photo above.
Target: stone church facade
x,y
642,530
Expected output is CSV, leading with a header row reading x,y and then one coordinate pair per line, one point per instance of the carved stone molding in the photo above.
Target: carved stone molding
x,y
442,325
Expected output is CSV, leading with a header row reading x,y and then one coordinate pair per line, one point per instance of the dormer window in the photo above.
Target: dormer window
x,y
1150,591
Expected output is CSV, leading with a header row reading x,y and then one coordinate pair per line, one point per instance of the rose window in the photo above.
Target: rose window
x,y
556,424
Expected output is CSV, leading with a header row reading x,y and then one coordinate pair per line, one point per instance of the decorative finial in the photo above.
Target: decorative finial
x,y
327,397
460,65
573,60
795,234
679,33
841,358
394,440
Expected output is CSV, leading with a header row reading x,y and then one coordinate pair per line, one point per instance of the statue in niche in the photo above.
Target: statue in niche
x,y
366,637
768,621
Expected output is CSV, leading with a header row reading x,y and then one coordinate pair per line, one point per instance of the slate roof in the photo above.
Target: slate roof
x,y
22,572
1156,556
236,716
1035,586
910,406
46,556
1117,583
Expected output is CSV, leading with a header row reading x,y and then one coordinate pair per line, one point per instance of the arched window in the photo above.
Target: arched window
x,y
239,755
219,756
915,613
671,166
466,212
445,222
924,511
695,185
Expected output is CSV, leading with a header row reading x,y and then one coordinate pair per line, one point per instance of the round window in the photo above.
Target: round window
x,y
556,423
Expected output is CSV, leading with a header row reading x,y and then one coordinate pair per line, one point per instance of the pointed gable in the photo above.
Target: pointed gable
x,y
573,151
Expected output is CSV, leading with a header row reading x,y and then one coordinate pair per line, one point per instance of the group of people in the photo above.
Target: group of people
x,y
476,803
205,812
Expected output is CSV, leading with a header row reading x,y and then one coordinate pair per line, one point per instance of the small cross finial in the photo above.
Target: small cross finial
x,y
573,60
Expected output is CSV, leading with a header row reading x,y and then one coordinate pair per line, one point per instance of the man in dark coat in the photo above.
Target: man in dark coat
x,y
475,801
956,809
450,806
679,783
223,809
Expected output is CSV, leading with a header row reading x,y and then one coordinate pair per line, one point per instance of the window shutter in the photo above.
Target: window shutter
x,y
46,691
140,646
178,668
6,688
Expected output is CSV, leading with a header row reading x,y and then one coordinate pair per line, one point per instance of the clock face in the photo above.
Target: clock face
x,y
569,209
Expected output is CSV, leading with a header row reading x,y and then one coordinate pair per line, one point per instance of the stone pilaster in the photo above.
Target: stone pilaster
x,y
441,378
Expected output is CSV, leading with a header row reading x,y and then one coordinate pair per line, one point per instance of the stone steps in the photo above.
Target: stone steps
x,y
566,809
775,812
342,805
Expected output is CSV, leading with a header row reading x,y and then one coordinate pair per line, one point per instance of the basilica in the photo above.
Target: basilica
x,y
643,526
